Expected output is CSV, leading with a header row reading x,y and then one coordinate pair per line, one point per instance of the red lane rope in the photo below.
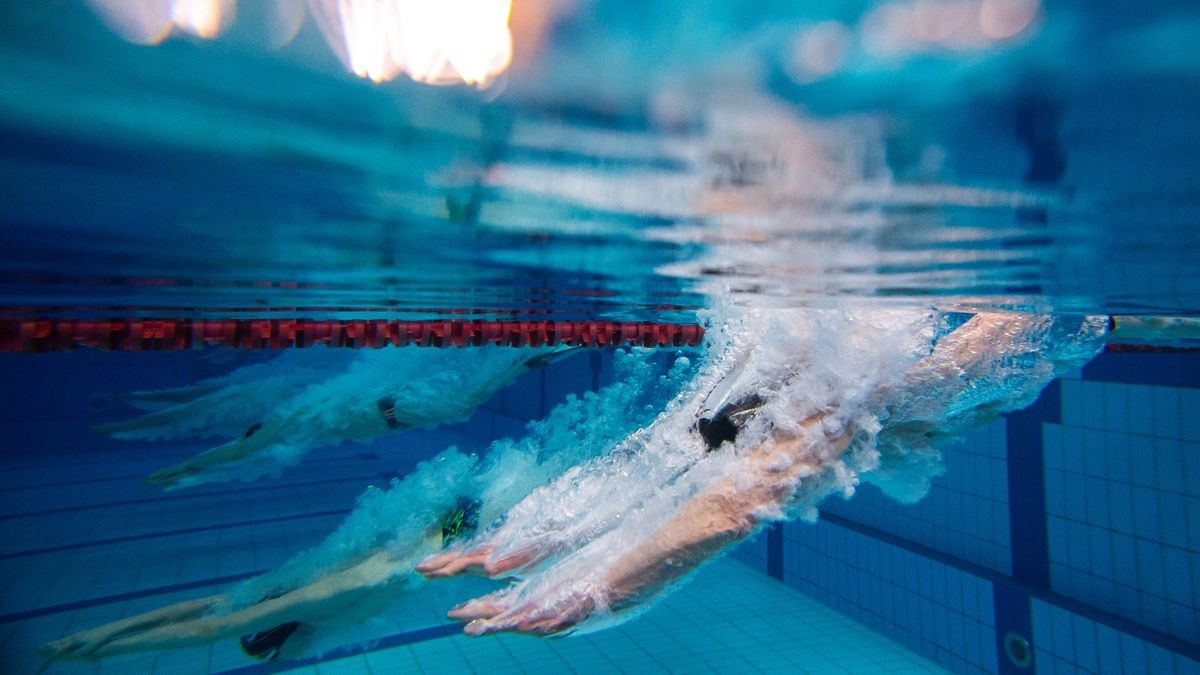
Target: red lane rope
x,y
1152,349
46,335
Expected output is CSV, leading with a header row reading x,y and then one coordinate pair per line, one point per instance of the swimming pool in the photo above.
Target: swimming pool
x,y
790,211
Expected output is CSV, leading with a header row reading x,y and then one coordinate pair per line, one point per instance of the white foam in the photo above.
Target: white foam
x,y
405,517
872,377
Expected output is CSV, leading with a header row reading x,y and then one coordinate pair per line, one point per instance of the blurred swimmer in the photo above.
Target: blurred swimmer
x,y
862,397
282,409
367,564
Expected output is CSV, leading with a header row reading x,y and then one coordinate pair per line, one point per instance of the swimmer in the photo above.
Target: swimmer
x,y
280,623
783,458
293,404
368,563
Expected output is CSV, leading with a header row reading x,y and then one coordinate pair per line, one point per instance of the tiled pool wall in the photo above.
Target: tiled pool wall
x,y
1074,524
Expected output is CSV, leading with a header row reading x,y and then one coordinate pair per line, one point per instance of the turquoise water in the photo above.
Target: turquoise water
x,y
689,162
1047,172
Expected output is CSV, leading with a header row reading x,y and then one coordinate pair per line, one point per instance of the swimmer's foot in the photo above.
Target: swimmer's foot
x,y
170,476
88,643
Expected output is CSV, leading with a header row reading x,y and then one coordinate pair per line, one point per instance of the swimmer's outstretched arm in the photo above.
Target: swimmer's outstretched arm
x,y
199,621
954,355
728,511
704,525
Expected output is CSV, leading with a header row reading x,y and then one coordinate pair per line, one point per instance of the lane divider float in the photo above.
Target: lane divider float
x,y
51,335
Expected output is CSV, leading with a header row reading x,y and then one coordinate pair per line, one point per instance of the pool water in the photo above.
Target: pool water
x,y
680,163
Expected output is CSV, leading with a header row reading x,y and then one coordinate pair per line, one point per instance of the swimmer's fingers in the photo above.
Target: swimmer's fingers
x,y
511,561
450,564
535,619
479,608
438,561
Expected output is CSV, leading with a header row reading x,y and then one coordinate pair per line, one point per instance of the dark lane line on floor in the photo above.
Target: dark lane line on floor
x,y
388,642
364,456
133,457
385,475
170,533
39,612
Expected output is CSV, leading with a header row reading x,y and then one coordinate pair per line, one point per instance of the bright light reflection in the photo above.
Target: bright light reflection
x,y
1003,19
149,22
431,41
916,26
442,42
204,18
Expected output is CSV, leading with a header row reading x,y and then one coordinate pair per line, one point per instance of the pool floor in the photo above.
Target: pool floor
x,y
84,543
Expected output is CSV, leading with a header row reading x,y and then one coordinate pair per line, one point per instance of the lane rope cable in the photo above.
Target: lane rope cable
x,y
50,335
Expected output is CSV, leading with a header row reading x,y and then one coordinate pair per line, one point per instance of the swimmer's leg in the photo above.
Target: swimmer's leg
x,y
256,439
88,642
337,596
173,422
165,398
222,412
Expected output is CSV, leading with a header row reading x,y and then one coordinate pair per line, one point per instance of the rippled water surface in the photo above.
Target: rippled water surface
x,y
629,179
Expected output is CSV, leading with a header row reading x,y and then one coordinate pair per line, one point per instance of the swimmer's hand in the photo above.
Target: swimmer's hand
x,y
491,614
479,560
455,562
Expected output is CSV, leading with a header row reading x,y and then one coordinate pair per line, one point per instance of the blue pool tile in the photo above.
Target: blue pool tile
x,y
1186,666
1158,660
1077,546
1085,644
1096,492
1141,410
1150,567
1116,407
1173,524
1094,458
1100,552
1145,513
1183,621
1190,415
1166,404
1120,503
1168,454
